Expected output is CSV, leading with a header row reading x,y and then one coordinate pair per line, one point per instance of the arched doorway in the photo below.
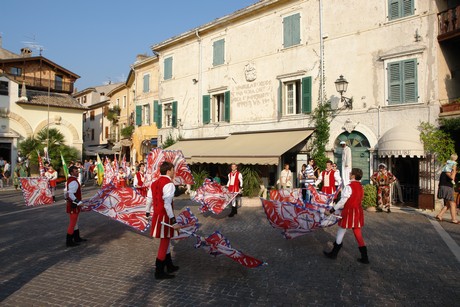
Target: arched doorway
x,y
359,152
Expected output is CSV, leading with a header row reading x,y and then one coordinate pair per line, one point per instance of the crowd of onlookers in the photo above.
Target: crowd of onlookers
x,y
5,173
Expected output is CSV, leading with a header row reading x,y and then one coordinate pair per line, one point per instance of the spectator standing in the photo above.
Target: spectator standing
x,y
383,180
286,177
446,192
52,176
309,178
346,163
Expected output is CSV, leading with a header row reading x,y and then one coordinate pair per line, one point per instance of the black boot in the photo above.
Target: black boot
x,y
76,236
160,270
170,267
363,251
333,253
234,211
69,241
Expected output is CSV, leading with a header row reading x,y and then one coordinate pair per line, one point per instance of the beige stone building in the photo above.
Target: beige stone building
x,y
242,88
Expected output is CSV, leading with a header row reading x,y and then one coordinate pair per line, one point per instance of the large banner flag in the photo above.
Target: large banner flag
x,y
36,191
182,176
287,195
215,244
295,218
109,173
64,167
123,205
41,167
99,170
213,197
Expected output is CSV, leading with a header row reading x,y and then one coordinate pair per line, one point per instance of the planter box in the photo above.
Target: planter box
x,y
450,107
426,201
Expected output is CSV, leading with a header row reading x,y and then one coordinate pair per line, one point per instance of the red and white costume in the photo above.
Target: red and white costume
x,y
72,192
138,184
330,179
52,175
235,184
160,196
352,213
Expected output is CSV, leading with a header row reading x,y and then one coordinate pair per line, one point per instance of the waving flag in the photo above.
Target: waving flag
x,y
121,204
36,191
295,218
213,197
287,195
64,167
216,244
123,164
100,170
41,167
109,173
182,176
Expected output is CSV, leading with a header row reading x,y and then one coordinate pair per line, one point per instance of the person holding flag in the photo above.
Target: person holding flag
x,y
52,176
72,194
160,195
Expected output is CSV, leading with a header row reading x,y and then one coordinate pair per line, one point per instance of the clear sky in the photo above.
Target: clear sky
x,y
99,39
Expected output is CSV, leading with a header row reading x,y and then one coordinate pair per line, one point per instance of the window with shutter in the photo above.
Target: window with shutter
x,y
400,8
146,84
291,30
306,95
157,114
168,62
218,52
138,115
174,114
206,109
402,82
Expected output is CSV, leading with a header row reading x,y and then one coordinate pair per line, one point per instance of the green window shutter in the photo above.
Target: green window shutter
x,y
157,113
139,115
393,9
218,52
410,80
394,83
206,109
174,114
146,83
407,8
400,8
227,106
306,95
280,100
168,68
291,30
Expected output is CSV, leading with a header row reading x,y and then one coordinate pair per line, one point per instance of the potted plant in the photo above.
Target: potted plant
x,y
453,105
370,197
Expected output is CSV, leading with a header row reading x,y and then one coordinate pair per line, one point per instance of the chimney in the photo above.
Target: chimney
x,y
26,52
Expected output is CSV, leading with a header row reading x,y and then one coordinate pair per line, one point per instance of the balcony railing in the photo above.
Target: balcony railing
x,y
449,23
43,84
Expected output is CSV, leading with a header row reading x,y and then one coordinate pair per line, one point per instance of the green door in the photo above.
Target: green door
x,y
359,153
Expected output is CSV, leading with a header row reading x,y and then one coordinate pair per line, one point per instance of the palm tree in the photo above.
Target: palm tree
x,y
55,141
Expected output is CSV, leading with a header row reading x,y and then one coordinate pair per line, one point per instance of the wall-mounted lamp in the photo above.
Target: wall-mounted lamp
x,y
341,85
195,81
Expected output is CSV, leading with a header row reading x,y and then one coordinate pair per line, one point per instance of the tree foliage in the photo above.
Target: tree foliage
x,y
436,142
251,181
55,141
321,121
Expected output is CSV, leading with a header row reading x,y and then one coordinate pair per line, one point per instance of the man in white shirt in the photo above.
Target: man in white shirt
x,y
346,163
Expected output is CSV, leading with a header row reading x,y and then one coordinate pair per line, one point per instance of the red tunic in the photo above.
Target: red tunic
x,y
330,189
69,208
53,182
235,187
140,182
352,213
157,230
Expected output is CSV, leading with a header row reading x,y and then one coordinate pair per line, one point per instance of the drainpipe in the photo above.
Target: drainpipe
x,y
200,58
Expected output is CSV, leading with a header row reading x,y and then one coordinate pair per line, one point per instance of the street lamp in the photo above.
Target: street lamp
x,y
341,85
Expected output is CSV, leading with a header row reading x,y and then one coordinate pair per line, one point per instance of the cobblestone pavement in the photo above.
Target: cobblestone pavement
x,y
410,264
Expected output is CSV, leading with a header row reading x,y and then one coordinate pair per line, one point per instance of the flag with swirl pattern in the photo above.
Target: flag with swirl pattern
x,y
182,176
213,197
296,218
123,205
109,172
41,167
215,244
36,191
